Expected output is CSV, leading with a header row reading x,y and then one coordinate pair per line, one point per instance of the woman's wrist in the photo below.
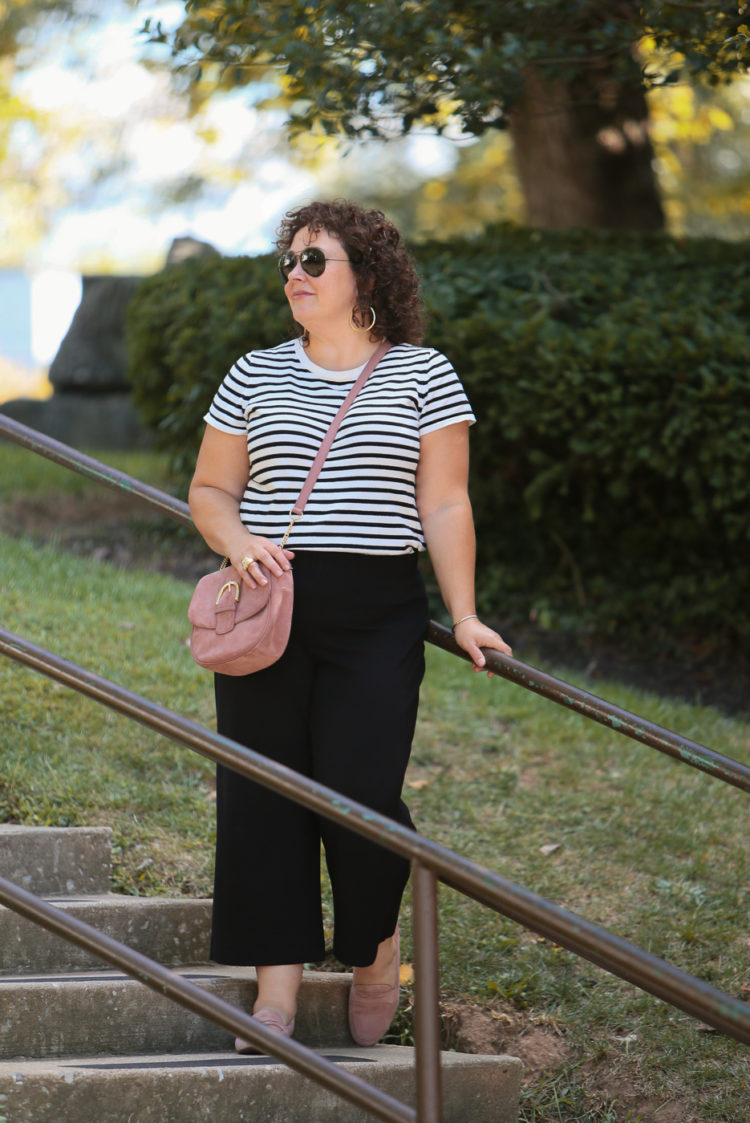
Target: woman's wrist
x,y
462,619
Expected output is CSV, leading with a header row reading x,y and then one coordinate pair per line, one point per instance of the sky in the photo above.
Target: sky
x,y
127,120
109,92
94,80
99,81
132,142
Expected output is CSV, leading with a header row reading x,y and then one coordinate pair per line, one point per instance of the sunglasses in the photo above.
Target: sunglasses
x,y
312,260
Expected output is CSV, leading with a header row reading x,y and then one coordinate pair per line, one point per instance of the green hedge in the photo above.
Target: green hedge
x,y
611,378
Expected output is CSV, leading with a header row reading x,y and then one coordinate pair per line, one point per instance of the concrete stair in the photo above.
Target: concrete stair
x,y
82,1043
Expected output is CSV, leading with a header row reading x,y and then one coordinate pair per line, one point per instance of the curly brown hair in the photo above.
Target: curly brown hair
x,y
386,275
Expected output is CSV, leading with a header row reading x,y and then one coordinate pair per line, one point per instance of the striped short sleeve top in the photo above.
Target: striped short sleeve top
x,y
364,498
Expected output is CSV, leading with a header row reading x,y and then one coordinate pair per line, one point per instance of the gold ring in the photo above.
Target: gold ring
x,y
247,561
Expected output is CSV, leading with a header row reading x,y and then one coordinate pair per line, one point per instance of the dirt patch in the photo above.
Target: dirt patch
x,y
53,515
111,527
609,1082
504,1030
612,1081
698,673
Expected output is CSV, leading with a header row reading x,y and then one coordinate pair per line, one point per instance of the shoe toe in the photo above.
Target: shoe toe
x,y
272,1020
372,1008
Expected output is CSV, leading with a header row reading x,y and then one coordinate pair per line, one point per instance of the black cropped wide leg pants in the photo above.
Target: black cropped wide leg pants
x,y
339,706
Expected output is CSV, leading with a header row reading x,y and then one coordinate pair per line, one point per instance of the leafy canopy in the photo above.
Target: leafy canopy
x,y
378,67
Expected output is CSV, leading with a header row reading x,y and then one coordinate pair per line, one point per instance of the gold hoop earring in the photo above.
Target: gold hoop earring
x,y
360,327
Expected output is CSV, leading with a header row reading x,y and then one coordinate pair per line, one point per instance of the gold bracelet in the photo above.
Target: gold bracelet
x,y
472,616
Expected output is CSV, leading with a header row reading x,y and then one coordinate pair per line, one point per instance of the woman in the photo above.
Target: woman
x,y
340,705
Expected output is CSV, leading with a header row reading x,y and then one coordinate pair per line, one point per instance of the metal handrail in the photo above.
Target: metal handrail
x,y
598,945
531,678
605,713
96,470
429,861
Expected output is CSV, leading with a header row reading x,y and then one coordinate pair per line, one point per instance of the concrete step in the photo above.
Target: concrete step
x,y
57,861
79,1042
108,1012
173,931
225,1088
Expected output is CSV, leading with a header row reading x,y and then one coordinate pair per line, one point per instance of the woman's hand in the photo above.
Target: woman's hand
x,y
472,635
258,550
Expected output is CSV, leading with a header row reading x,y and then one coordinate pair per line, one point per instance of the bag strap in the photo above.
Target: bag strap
x,y
299,507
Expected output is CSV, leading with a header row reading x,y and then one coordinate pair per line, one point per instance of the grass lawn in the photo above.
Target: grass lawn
x,y
632,840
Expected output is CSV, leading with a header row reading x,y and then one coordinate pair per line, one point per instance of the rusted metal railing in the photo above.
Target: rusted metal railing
x,y
556,690
597,709
429,861
598,945
93,469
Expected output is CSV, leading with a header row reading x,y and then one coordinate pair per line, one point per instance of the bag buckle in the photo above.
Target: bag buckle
x,y
228,585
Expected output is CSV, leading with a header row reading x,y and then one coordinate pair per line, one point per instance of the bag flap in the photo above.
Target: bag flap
x,y
225,583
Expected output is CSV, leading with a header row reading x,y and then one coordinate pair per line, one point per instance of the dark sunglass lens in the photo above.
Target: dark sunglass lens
x,y
313,261
287,261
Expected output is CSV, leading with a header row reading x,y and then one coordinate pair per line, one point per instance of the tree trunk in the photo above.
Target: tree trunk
x,y
583,154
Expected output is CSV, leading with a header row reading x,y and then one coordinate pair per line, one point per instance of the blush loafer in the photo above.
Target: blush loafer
x,y
271,1019
372,1006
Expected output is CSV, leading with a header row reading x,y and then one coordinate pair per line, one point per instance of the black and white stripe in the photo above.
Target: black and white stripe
x,y
364,498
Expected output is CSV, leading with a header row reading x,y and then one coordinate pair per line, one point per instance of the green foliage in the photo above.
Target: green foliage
x,y
609,374
701,139
368,68
610,377
186,326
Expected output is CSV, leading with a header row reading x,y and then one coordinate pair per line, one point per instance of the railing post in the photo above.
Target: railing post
x,y
426,994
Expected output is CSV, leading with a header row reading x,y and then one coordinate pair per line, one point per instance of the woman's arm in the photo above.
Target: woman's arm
x,y
445,513
219,482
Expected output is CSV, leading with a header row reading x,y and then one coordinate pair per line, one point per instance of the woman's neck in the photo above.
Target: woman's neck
x,y
340,354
